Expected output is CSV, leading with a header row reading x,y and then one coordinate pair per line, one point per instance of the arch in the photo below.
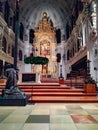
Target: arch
x,y
11,21
12,51
58,57
6,11
4,44
31,35
9,49
58,35
1,7
67,31
68,55
21,31
20,55
78,44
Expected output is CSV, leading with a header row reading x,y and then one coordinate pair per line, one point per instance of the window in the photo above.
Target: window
x,y
68,55
12,51
20,55
6,11
31,36
4,44
21,32
96,52
1,9
10,21
9,49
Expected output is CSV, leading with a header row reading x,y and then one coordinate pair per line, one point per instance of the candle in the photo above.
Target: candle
x,y
87,55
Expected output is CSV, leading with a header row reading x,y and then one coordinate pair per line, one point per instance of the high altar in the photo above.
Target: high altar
x,y
45,45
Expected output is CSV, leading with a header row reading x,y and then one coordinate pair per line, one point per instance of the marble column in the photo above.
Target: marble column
x,y
97,19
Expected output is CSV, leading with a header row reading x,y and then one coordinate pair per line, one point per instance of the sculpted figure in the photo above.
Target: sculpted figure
x,y
12,77
12,90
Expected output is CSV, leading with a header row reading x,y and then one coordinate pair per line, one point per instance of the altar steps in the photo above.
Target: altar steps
x,y
54,92
46,93
64,99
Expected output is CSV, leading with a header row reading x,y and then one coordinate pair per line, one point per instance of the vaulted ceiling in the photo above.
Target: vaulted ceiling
x,y
58,11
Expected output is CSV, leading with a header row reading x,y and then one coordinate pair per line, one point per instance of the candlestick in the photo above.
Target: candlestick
x,y
87,55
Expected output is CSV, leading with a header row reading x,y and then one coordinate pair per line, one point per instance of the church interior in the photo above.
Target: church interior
x,y
53,45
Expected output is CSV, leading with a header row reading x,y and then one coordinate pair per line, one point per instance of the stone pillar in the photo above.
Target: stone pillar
x,y
27,51
97,44
97,20
94,53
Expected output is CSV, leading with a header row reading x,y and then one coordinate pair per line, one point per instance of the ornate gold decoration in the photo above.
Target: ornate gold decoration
x,y
45,42
45,24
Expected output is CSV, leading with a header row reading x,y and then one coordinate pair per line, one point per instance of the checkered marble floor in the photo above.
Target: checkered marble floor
x,y
52,116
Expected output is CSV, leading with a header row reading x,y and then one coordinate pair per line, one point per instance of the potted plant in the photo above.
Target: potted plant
x,y
90,85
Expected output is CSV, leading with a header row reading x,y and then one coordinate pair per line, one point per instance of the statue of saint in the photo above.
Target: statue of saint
x,y
12,77
11,89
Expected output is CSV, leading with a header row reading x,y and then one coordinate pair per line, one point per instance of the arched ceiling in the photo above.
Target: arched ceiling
x,y
58,11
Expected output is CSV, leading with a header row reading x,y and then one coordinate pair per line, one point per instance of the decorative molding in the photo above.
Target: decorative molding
x,y
93,35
